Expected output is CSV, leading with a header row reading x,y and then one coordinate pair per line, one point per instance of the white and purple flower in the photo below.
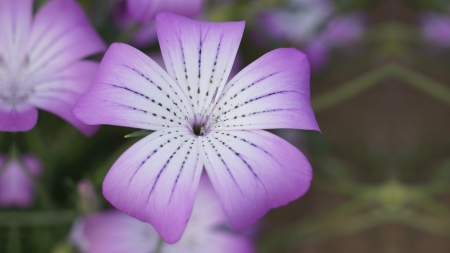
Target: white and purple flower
x,y
201,120
41,62
16,185
116,232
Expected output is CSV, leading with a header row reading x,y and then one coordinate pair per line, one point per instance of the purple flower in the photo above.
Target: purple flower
x,y
41,62
16,186
435,28
318,54
144,11
116,232
298,21
343,30
301,22
201,120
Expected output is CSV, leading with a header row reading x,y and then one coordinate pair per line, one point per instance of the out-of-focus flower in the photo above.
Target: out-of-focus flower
x,y
144,11
16,186
343,30
41,62
88,199
318,54
310,25
435,28
298,21
116,232
340,31
200,119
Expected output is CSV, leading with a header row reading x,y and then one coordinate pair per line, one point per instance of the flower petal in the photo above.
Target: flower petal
x,y
145,36
15,20
116,232
145,10
32,164
272,92
57,93
199,55
214,242
252,172
17,119
131,90
16,188
156,179
61,34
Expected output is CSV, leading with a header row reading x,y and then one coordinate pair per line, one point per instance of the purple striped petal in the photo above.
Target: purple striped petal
x,y
252,172
15,20
198,55
132,90
145,10
59,92
272,92
17,119
156,179
61,34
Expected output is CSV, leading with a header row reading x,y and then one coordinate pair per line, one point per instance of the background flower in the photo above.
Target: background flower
x,y
41,61
114,231
16,180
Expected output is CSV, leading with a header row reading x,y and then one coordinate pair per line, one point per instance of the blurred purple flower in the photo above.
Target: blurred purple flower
x,y
200,119
116,232
318,53
41,62
88,199
300,22
339,31
343,30
16,186
144,11
435,28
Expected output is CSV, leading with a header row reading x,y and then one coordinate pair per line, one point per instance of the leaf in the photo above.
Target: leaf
x,y
139,133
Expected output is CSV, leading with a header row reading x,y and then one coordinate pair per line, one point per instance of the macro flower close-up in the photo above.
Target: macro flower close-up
x,y
200,120
224,126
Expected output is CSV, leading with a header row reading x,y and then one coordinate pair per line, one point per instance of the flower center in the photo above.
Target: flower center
x,y
197,129
14,88
199,126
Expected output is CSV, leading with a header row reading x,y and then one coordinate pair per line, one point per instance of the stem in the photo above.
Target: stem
x,y
423,83
309,226
13,240
128,33
36,218
159,246
351,88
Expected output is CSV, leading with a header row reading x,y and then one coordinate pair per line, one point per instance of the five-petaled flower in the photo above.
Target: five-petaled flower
x,y
41,62
201,120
